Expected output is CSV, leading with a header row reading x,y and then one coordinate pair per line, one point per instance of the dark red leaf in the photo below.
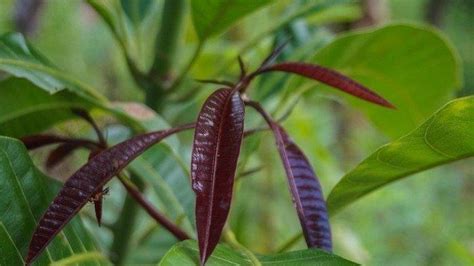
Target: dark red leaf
x,y
306,192
61,152
331,78
216,148
304,186
85,182
37,141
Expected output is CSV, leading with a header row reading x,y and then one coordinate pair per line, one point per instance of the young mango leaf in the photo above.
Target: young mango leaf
x,y
304,186
216,148
83,184
446,137
186,253
331,78
306,192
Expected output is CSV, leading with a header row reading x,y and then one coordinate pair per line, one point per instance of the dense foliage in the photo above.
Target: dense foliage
x,y
215,196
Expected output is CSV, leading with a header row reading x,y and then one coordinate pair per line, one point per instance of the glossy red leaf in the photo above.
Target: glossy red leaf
x,y
331,78
306,192
216,147
85,182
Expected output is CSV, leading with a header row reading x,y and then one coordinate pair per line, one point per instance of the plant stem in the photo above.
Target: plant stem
x,y
145,204
124,226
171,29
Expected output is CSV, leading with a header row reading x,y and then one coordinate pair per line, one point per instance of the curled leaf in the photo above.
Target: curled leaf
x,y
331,78
85,182
216,148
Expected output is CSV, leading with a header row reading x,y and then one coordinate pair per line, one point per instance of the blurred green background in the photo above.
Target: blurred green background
x,y
426,219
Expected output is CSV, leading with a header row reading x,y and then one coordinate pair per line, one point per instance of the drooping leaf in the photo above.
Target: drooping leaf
x,y
186,253
216,148
306,192
20,59
27,109
446,137
211,17
83,184
331,78
24,193
406,63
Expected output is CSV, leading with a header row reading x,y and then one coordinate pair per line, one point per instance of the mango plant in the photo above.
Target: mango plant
x,y
194,186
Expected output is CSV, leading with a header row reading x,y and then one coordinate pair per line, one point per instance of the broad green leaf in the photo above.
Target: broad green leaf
x,y
20,59
306,257
26,109
413,67
187,253
25,194
212,17
445,137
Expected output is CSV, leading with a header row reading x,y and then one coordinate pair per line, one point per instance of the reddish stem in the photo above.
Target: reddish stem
x,y
154,213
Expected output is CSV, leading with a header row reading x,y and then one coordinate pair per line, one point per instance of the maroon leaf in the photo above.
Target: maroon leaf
x,y
331,78
306,192
304,186
216,147
37,141
85,182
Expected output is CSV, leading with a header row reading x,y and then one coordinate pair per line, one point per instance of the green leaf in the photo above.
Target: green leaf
x,y
446,137
25,193
305,257
187,253
212,17
132,22
26,109
20,59
414,67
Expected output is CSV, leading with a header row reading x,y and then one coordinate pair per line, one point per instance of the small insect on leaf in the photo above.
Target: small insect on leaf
x,y
85,182
331,78
306,192
216,148
97,199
